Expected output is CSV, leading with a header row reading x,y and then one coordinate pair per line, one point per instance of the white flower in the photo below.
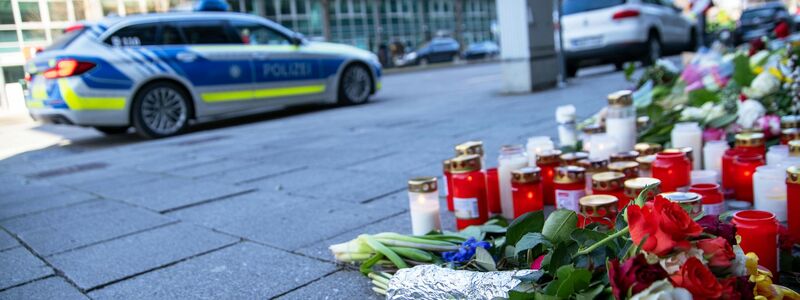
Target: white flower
x,y
758,59
673,263
738,267
763,85
749,111
716,111
663,290
692,113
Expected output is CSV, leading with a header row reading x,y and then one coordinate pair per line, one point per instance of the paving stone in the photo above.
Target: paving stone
x,y
14,208
212,168
320,157
242,271
283,221
254,172
345,284
402,162
116,259
7,241
20,266
45,289
171,193
66,228
32,191
120,182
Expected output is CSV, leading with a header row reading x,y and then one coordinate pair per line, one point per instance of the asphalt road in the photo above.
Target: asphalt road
x,y
246,208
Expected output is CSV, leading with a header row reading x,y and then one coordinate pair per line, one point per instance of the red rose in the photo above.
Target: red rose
x,y
698,280
634,275
737,288
718,251
664,224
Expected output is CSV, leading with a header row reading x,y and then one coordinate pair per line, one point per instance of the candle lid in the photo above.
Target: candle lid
x,y
790,134
526,175
794,148
646,162
599,205
624,156
607,181
687,152
593,129
570,174
593,165
620,98
647,148
793,175
633,187
422,185
470,147
465,163
750,139
642,122
446,166
572,158
549,156
691,202
629,168
792,121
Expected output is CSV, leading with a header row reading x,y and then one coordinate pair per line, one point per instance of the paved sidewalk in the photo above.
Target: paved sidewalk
x,y
247,211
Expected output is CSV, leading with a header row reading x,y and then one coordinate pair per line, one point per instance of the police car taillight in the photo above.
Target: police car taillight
x,y
72,28
68,67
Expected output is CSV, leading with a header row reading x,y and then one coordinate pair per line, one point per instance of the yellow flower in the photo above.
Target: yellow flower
x,y
787,293
758,70
751,263
777,73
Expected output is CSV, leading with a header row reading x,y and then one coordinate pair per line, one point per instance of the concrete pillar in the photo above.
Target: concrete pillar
x,y
459,28
326,19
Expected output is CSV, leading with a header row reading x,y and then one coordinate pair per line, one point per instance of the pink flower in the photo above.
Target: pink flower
x,y
537,263
713,134
770,124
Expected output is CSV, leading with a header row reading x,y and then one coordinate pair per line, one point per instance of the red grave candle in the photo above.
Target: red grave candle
x,y
712,198
673,169
751,142
759,232
448,178
526,190
727,170
469,191
789,134
570,187
602,209
629,168
793,200
548,161
610,183
493,191
744,165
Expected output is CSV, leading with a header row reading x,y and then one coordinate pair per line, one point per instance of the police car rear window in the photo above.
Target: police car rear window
x,y
203,33
134,35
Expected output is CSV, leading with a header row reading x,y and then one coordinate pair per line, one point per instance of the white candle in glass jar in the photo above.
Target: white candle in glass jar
x,y
776,154
712,155
423,200
512,157
769,190
536,145
602,146
621,120
704,176
689,134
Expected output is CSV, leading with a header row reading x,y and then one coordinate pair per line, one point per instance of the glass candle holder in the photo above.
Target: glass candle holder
x,y
512,157
793,200
794,148
704,176
689,152
712,155
647,148
526,187
469,191
752,142
471,147
791,121
624,156
634,187
565,117
673,169
759,233
547,161
769,191
493,192
621,120
777,154
689,134
592,166
602,209
588,132
570,186
692,203
629,168
448,179
789,134
572,158
602,146
610,183
642,122
713,201
744,165
536,145
646,165
727,171
423,201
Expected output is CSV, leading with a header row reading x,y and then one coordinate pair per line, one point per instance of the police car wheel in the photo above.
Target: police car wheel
x,y
160,110
356,85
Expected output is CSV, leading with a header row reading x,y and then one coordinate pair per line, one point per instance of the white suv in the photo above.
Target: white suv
x,y
616,31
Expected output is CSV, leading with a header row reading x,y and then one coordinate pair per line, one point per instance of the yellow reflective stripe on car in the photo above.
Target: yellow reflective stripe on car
x,y
39,92
378,85
262,93
77,102
34,104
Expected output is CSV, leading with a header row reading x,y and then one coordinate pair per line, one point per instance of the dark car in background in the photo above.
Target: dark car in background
x,y
437,50
761,21
487,49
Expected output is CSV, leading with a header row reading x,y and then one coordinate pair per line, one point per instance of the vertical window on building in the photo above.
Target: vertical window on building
x,y
271,9
286,7
6,14
56,33
34,35
29,12
132,7
300,6
8,36
80,9
109,7
58,10
13,73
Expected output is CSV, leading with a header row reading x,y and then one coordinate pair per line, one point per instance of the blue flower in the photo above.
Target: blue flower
x,y
465,252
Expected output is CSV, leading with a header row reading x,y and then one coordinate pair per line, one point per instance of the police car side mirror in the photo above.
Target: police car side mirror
x,y
297,39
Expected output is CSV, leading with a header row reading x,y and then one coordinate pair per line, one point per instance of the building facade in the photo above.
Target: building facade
x,y
369,24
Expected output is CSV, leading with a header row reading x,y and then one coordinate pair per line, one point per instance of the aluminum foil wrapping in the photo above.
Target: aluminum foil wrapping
x,y
432,282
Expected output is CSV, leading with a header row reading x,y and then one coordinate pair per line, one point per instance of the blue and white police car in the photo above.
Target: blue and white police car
x,y
159,72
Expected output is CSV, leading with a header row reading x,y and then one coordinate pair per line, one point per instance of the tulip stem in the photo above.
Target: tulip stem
x,y
603,241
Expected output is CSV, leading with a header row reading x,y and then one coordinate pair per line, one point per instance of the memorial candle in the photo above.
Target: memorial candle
x,y
570,186
704,176
592,166
448,178
634,187
769,191
792,121
610,183
789,134
690,202
572,158
794,148
469,191
471,147
548,160
602,146
751,142
713,203
590,131
624,156
689,134
512,157
672,168
621,120
712,155
526,185
743,168
793,200
647,148
629,168
423,199
601,209
759,234
777,154
493,192
646,165
536,145
727,171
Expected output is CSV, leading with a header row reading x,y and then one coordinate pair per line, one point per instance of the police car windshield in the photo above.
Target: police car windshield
x,y
65,39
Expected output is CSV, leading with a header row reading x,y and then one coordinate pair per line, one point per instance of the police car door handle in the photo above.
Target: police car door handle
x,y
186,56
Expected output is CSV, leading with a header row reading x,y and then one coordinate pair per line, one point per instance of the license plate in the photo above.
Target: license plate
x,y
587,41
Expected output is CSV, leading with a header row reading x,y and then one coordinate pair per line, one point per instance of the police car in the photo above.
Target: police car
x,y
159,72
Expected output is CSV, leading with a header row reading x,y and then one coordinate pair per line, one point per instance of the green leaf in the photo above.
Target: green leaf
x,y
484,259
540,296
366,267
528,222
722,121
629,69
742,73
380,248
517,295
532,277
559,225
472,231
558,257
699,97
590,293
530,241
568,281
493,229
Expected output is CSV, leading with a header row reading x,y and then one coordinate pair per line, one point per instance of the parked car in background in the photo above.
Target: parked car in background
x,y
486,49
437,50
617,31
760,21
